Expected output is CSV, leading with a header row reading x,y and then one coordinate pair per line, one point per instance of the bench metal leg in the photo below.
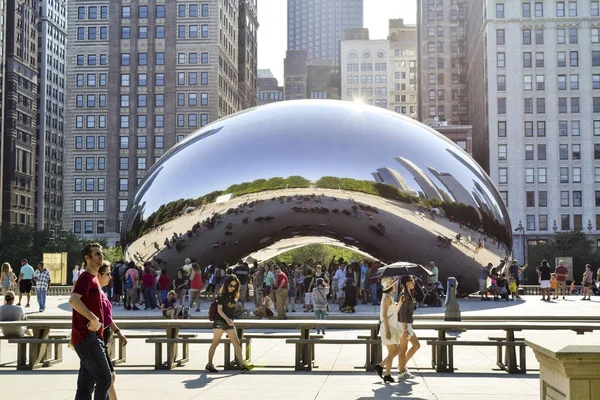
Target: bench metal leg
x,y
158,363
22,356
522,360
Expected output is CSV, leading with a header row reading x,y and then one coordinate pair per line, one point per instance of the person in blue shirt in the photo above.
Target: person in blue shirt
x,y
25,281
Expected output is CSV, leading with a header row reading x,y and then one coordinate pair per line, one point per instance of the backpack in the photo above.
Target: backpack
x,y
212,311
128,282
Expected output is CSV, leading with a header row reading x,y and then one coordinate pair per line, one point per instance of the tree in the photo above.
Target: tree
x,y
319,253
565,244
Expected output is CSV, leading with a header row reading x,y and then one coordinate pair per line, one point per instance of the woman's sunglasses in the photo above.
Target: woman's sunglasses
x,y
232,286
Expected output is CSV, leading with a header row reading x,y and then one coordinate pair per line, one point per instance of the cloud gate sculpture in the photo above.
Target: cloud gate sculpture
x,y
330,171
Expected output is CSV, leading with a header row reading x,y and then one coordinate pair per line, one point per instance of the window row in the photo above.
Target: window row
x,y
563,152
90,80
141,163
90,100
192,98
191,10
564,82
192,58
93,12
88,226
91,163
91,142
92,59
561,59
159,12
366,79
93,33
90,121
191,31
142,59
88,205
141,142
90,184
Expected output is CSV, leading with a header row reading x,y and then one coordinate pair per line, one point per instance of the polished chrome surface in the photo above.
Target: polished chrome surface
x,y
361,175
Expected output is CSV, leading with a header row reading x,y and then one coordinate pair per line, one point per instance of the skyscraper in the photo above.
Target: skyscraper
x,y
537,67
442,52
141,77
2,89
318,26
247,54
51,123
21,84
269,90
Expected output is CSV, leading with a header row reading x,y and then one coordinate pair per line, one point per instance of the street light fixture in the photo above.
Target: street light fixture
x,y
522,230
554,226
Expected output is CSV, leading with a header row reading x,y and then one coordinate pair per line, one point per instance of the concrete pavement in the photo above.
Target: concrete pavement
x,y
337,375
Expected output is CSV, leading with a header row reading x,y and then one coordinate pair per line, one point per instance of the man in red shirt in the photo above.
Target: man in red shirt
x,y
561,272
281,293
95,373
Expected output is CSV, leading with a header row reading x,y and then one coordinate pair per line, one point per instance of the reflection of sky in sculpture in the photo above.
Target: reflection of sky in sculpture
x,y
285,139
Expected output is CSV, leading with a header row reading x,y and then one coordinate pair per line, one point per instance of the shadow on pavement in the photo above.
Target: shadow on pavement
x,y
402,389
202,381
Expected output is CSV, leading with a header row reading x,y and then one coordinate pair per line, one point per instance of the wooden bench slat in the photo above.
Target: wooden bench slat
x,y
39,341
155,335
503,338
472,343
191,340
333,341
278,336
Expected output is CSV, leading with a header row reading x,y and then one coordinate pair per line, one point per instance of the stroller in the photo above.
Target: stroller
x,y
418,292
432,298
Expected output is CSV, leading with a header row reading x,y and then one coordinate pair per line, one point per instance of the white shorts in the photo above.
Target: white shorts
x,y
308,298
545,284
410,330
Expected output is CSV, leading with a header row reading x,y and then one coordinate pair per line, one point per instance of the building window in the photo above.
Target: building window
x,y
142,32
125,32
159,121
565,223
159,142
530,199
77,226
501,128
561,59
500,60
160,11
503,175
531,222
541,148
560,9
499,10
542,198
159,31
543,222
141,163
529,175
502,152
126,12
564,198
541,128
204,28
500,37
540,104
502,105
564,174
123,163
88,226
528,152
539,10
100,226
576,174
563,151
542,178
528,128
142,59
526,36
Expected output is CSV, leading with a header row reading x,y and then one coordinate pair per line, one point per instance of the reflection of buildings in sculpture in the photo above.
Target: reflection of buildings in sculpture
x,y
487,201
392,177
454,187
428,188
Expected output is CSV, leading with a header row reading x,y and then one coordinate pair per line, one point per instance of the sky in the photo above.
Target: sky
x,y
272,31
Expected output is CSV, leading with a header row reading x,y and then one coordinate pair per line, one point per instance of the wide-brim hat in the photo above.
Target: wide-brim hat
x,y
388,282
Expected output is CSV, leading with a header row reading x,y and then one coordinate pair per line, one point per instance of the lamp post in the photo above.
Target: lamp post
x,y
554,226
522,230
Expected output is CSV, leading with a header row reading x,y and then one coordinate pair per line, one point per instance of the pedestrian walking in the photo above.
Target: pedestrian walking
x,y
87,329
389,328
319,296
42,281
8,279
405,316
25,281
223,323
110,327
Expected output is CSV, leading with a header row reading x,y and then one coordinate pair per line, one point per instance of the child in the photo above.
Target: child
x,y
319,296
572,287
512,287
553,286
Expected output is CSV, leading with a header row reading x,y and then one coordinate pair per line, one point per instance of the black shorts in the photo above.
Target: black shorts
x,y
218,324
25,286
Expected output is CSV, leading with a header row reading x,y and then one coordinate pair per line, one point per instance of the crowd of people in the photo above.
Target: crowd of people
x,y
274,288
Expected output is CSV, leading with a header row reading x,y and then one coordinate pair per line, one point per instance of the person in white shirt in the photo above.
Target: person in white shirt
x,y
10,312
76,272
340,278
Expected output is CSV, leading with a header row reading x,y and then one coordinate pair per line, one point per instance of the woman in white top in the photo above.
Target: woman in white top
x,y
76,272
390,330
265,307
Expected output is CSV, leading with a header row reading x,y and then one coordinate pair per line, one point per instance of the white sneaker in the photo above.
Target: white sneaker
x,y
405,375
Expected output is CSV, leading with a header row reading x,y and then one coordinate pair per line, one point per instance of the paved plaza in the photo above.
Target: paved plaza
x,y
338,373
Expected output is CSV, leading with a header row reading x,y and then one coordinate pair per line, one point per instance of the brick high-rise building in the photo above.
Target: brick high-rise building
x,y
20,113
141,76
51,113
2,89
442,60
247,53
317,26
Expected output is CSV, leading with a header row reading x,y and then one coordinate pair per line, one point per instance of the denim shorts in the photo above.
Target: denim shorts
x,y
219,324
